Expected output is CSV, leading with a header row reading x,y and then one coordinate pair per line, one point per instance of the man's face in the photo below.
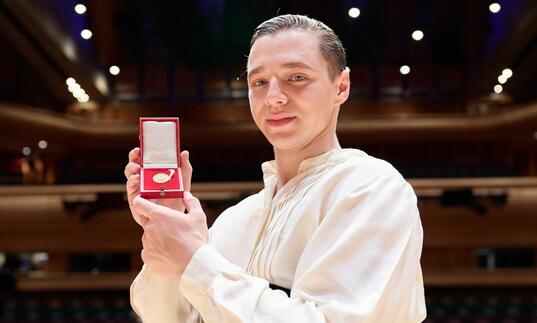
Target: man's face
x,y
293,100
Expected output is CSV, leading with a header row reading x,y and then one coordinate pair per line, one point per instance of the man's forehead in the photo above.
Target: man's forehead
x,y
285,49
289,65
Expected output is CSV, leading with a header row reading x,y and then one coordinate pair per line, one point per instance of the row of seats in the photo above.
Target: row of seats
x,y
103,307
483,305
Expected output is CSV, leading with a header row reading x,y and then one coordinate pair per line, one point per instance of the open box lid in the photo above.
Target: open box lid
x,y
160,143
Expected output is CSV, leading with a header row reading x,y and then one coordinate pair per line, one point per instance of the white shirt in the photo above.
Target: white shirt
x,y
344,235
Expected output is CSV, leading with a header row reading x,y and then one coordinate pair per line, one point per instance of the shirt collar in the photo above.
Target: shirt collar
x,y
332,156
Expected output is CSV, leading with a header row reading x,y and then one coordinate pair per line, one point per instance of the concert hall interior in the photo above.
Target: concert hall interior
x,y
446,91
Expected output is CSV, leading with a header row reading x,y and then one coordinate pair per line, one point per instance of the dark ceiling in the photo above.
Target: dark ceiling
x,y
187,58
175,51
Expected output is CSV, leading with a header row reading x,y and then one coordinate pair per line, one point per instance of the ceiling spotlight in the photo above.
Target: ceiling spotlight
x,y
83,98
507,72
502,79
405,69
80,9
42,144
114,70
498,89
78,93
74,87
495,7
354,12
70,81
26,151
86,34
417,35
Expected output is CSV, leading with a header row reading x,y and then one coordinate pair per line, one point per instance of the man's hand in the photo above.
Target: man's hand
x,y
132,173
171,237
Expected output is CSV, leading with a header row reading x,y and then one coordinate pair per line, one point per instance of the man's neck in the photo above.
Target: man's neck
x,y
288,162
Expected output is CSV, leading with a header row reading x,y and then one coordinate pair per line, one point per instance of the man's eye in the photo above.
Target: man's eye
x,y
297,78
259,83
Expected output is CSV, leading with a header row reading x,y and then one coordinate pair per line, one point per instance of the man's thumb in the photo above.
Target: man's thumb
x,y
191,202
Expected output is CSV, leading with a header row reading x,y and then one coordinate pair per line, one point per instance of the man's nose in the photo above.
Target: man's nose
x,y
275,96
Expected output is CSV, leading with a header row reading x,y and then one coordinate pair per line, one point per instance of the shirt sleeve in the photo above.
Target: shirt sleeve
x,y
360,265
157,299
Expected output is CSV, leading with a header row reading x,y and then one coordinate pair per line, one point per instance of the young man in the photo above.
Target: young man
x,y
335,235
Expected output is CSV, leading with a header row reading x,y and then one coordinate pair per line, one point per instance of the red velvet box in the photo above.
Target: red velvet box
x,y
161,162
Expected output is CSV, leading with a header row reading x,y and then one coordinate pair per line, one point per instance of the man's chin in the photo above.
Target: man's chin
x,y
285,145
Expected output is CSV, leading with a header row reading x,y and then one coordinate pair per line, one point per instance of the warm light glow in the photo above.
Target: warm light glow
x,y
507,72
83,98
26,151
80,9
70,81
405,69
78,93
498,89
74,87
417,35
42,144
502,79
495,7
114,70
86,34
354,12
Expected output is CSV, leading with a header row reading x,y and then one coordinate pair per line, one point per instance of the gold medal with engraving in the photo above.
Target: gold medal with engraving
x,y
161,178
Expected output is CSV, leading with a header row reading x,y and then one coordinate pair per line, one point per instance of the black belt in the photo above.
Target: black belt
x,y
286,290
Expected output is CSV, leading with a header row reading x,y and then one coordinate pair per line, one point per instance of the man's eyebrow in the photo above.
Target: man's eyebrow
x,y
298,65
289,65
255,71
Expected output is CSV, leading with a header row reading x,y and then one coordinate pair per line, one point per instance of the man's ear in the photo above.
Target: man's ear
x,y
343,87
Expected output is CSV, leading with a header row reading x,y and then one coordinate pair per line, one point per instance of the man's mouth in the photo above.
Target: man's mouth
x,y
279,122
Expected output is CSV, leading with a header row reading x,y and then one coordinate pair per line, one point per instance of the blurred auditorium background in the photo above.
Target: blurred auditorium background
x,y
444,90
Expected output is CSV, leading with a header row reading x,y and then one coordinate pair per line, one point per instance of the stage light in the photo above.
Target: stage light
x,y
498,89
83,98
86,34
354,12
70,81
507,72
502,79
417,35
114,70
26,151
43,144
495,7
78,93
74,87
80,9
405,69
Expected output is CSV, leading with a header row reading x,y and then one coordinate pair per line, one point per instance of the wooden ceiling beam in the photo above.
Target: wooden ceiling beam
x,y
34,124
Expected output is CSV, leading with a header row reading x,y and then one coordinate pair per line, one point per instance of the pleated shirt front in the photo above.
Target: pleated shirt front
x,y
344,236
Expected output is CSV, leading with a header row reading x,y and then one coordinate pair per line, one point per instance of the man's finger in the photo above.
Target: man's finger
x,y
150,209
133,184
186,169
191,202
144,207
133,180
132,168
134,155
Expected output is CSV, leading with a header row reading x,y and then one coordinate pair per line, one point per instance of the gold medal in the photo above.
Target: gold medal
x,y
161,178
